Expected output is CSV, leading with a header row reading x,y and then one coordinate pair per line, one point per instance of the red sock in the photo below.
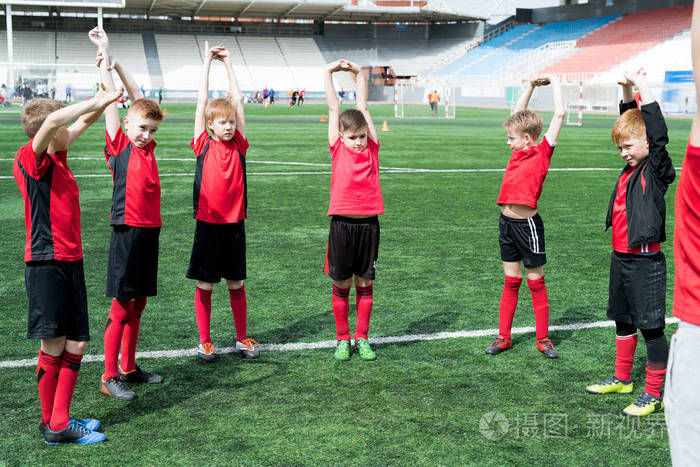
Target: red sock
x,y
67,377
341,309
131,335
47,378
239,307
654,381
202,311
118,315
509,301
540,305
624,355
364,310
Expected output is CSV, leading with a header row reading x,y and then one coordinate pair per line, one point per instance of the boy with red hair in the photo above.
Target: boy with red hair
x,y
637,215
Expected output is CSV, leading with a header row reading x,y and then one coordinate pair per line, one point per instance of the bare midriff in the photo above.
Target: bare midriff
x,y
518,211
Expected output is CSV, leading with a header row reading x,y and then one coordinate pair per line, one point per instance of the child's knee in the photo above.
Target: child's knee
x,y
53,346
344,284
75,347
362,282
233,285
205,285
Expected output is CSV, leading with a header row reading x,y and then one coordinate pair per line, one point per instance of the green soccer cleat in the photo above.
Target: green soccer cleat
x,y
365,351
612,385
645,404
342,350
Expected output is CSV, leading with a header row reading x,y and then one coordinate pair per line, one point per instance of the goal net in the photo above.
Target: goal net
x,y
424,98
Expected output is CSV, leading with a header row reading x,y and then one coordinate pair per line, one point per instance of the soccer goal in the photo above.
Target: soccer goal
x,y
424,98
581,98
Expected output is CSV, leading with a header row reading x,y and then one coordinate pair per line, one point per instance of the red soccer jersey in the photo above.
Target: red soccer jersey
x,y
51,206
220,189
686,241
525,174
355,185
619,221
136,194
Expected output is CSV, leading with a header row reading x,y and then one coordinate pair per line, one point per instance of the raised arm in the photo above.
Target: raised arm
x,y
66,115
200,118
639,80
695,50
559,110
111,113
525,96
360,79
234,91
132,88
332,98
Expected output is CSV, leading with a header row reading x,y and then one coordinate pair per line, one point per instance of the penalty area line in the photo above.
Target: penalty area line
x,y
296,346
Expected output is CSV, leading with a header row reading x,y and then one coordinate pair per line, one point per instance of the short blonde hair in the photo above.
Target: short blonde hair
x,y
526,123
146,108
352,120
219,108
35,112
629,124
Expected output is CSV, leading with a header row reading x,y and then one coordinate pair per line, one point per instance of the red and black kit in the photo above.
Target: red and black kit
x,y
219,204
132,268
637,213
54,277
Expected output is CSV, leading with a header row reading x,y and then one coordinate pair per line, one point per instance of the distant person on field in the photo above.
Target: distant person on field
x,y
53,92
356,201
300,99
132,268
160,95
220,201
266,97
637,215
54,275
272,96
69,94
682,404
434,99
520,229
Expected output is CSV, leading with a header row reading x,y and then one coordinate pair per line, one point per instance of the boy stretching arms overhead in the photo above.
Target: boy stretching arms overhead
x,y
54,275
356,200
637,214
520,229
132,267
220,199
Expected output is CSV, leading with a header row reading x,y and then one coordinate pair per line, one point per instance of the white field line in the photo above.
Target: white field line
x,y
330,344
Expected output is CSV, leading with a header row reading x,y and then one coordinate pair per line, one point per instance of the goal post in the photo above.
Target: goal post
x,y
412,98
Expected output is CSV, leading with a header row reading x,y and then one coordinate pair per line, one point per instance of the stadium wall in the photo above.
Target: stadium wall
x,y
593,8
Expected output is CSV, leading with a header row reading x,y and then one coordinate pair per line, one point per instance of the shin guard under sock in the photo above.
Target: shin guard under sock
x,y
202,312
118,315
540,305
364,301
130,337
67,378
624,355
47,370
341,309
239,308
506,308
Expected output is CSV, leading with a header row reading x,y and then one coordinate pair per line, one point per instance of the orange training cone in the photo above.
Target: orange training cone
x,y
323,118
165,111
385,126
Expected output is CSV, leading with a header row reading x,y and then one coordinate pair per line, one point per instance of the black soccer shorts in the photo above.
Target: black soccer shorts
x,y
637,293
353,248
218,251
522,240
132,266
57,300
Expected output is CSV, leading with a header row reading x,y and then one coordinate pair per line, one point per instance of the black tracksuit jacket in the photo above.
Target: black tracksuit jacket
x,y
646,187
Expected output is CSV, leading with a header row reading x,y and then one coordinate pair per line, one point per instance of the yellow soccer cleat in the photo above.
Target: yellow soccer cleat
x,y
612,385
645,404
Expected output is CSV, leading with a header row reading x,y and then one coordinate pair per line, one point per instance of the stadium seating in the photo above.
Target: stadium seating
x,y
624,38
180,61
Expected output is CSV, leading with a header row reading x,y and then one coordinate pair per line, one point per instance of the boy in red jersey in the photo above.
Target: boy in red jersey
x,y
356,200
637,214
520,229
220,200
132,267
54,275
681,401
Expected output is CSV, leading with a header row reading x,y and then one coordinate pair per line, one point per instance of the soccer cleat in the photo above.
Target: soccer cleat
x,y
89,423
115,388
247,348
500,344
137,375
75,432
612,385
545,346
645,404
365,351
206,352
342,350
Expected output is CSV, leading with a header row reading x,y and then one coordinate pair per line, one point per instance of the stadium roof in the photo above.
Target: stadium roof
x,y
324,10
